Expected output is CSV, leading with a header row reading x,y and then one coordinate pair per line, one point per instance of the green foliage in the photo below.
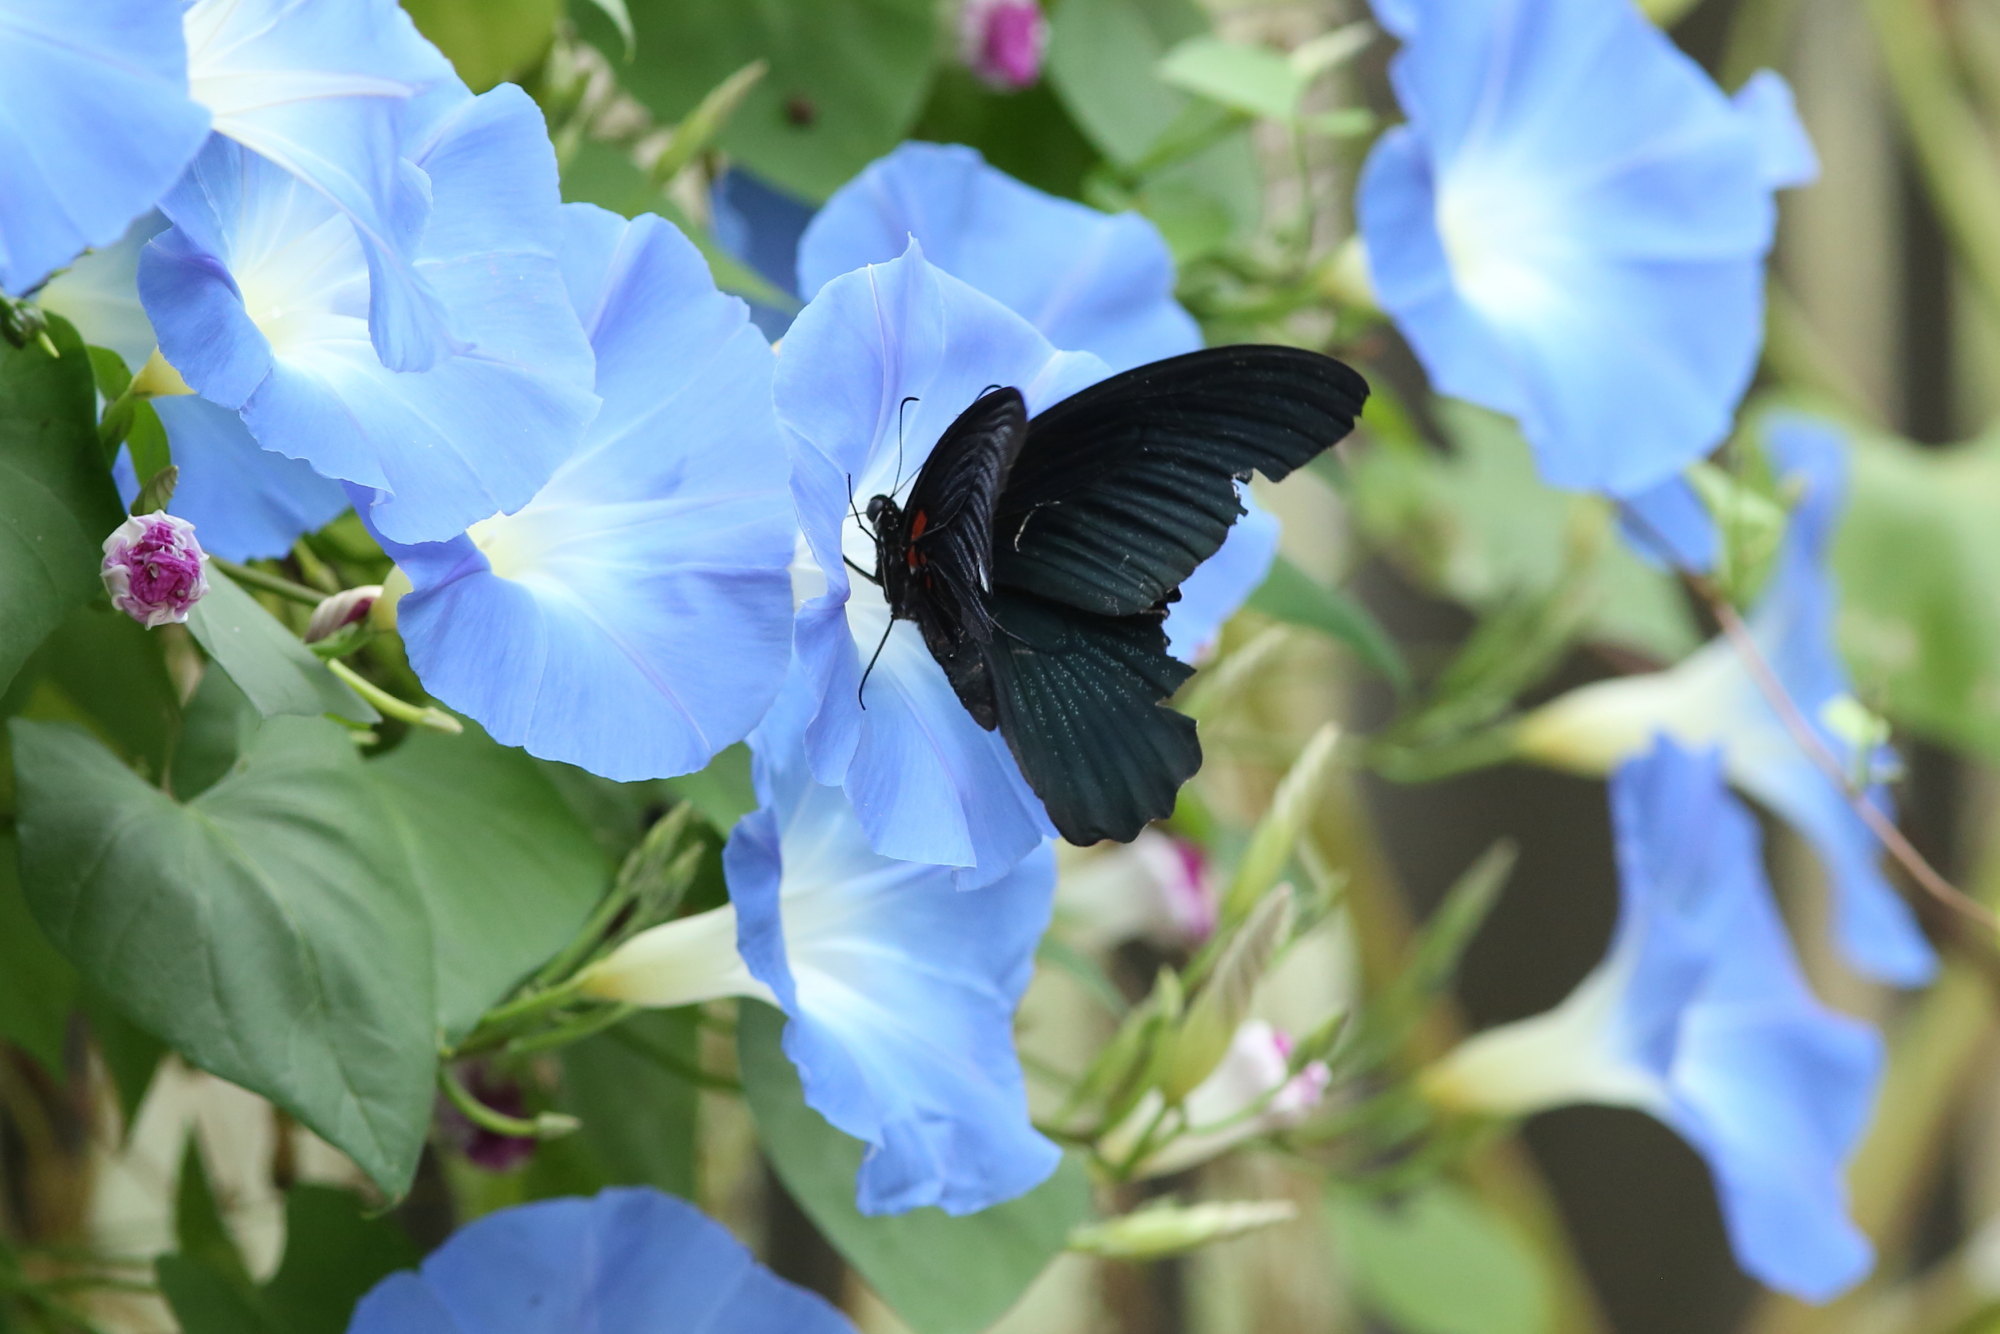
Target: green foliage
x,y
1437,1261
1479,526
37,986
275,672
269,929
1291,595
488,40
506,872
1918,560
1103,55
336,1249
56,500
942,1275
631,1088
847,77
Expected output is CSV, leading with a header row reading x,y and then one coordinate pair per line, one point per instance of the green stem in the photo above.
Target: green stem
x,y
1424,764
549,1125
575,1030
494,1025
269,583
392,706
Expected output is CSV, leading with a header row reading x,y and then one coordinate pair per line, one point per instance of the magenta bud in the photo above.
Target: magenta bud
x,y
1002,41
154,569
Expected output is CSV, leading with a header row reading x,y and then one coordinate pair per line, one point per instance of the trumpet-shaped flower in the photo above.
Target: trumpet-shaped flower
x,y
1092,282
95,124
621,1263
106,102
319,89
1572,227
1699,1016
1714,697
634,617
900,989
873,371
260,296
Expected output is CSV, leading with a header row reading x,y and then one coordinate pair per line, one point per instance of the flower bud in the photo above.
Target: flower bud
x,y
345,608
1174,1229
1252,1091
154,569
1002,41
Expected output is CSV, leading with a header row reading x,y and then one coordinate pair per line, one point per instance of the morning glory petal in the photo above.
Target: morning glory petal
x,y
761,225
901,991
260,297
635,616
874,370
95,125
1223,582
1089,281
1572,228
1669,527
1712,698
615,1264
99,294
246,502
1700,1016
317,87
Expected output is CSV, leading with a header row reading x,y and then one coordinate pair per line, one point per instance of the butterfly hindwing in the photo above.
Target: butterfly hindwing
x,y
1079,701
1120,491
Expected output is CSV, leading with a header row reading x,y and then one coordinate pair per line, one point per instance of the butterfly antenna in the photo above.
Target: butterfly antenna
x,y
880,645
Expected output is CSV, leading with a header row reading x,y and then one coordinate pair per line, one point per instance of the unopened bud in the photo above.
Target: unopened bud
x,y
348,607
1173,1229
22,322
1002,41
154,569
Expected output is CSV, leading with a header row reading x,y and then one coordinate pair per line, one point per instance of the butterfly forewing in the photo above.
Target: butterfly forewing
x,y
1123,489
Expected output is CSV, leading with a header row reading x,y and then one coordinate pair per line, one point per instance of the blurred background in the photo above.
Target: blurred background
x,y
1884,312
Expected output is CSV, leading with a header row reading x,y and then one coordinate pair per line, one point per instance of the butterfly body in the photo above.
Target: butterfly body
x,y
1038,559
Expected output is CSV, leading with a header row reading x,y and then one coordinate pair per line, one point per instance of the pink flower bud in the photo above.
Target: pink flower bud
x,y
341,610
1002,41
153,568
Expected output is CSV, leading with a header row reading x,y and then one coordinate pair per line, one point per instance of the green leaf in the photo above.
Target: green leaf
x,y
722,791
1917,560
268,930
104,670
336,1249
37,985
1291,595
847,78
1103,61
130,1053
1438,1261
488,40
203,1299
943,1275
1251,79
277,673
57,503
1478,525
200,1233
637,1107
507,872
1027,134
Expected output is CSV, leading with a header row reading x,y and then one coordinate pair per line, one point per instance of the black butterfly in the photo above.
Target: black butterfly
x,y
1038,559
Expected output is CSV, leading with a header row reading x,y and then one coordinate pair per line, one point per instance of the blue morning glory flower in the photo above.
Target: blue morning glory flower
x,y
1712,698
1092,282
95,124
1572,228
760,225
623,1262
873,371
319,89
260,296
634,617
1700,1016
900,989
